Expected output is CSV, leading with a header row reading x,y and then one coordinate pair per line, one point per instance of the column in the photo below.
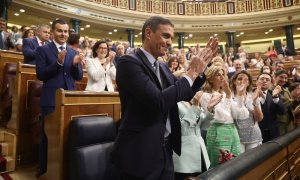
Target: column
x,y
230,37
4,4
130,33
290,39
76,25
180,40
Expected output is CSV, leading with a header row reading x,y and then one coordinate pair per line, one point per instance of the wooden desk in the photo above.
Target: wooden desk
x,y
70,104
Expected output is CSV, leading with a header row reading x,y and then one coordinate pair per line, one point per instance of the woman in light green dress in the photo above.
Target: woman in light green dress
x,y
194,158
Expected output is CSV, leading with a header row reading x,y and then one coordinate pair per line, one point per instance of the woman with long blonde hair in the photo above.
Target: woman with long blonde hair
x,y
222,133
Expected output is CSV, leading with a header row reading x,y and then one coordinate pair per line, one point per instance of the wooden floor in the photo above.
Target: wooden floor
x,y
25,172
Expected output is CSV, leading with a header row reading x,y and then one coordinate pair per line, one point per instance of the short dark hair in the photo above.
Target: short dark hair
x,y
153,23
293,86
57,21
96,46
73,39
279,72
264,73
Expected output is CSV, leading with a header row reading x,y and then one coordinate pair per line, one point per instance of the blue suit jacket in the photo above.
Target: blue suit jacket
x,y
29,48
53,75
145,106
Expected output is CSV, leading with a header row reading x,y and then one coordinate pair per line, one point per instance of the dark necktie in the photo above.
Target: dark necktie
x,y
43,43
1,41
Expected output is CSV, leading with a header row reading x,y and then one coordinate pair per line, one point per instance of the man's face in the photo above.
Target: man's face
x,y
2,26
44,33
264,81
121,50
159,41
237,65
279,67
61,33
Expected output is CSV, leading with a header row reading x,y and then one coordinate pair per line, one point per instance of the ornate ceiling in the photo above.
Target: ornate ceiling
x,y
103,19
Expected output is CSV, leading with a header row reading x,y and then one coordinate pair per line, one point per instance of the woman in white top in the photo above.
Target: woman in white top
x,y
101,71
247,125
222,133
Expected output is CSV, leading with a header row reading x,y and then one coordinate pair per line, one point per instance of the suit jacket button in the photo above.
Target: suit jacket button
x,y
65,73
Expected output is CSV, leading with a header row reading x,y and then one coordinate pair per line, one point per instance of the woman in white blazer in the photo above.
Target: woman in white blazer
x,y
101,71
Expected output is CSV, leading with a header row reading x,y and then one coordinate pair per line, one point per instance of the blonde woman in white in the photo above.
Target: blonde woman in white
x,y
101,70
222,133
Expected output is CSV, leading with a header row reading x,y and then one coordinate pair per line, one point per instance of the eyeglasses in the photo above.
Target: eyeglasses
x,y
262,79
102,47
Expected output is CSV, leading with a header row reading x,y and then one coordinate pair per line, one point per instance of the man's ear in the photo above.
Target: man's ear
x,y
148,32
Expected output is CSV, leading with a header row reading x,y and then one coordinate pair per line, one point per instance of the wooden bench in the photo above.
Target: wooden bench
x,y
70,104
276,159
289,65
7,57
19,124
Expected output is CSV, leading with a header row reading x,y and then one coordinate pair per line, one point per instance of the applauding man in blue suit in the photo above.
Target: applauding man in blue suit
x,y
58,66
31,44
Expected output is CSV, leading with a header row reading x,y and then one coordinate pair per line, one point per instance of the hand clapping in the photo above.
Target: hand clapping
x,y
61,56
202,58
276,91
214,100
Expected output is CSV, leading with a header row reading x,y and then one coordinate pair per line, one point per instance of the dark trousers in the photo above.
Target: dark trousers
x,y
43,148
167,173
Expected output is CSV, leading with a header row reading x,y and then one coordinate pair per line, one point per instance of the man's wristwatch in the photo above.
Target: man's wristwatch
x,y
276,96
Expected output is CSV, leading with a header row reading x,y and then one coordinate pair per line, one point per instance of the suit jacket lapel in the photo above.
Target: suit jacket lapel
x,y
53,49
148,65
164,74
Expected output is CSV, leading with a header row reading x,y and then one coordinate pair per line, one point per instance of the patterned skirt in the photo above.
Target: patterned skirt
x,y
221,136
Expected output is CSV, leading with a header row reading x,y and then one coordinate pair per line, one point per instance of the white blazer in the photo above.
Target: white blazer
x,y
98,76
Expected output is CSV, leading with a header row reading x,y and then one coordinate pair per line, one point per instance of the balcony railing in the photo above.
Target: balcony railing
x,y
198,8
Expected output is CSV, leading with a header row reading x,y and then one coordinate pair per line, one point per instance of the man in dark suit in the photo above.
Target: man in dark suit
x,y
284,50
5,37
150,127
31,44
58,66
271,106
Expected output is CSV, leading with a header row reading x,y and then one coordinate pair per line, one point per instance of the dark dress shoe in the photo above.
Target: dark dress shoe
x,y
39,173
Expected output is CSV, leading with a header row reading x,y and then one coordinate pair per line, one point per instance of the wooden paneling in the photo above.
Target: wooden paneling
x,y
273,168
70,104
294,158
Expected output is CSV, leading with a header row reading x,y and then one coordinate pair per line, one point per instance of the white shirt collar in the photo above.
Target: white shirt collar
x,y
149,56
58,45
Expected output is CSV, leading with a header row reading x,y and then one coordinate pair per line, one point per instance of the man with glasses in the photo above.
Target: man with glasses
x,y
271,106
5,37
